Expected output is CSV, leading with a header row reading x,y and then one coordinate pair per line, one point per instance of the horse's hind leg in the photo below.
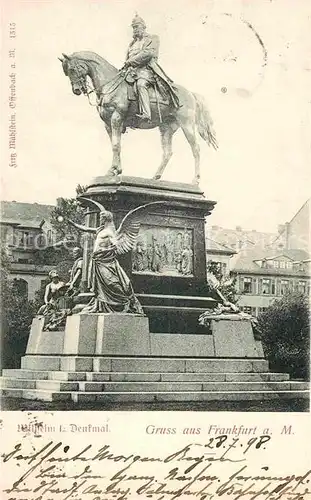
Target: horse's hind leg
x,y
188,128
167,130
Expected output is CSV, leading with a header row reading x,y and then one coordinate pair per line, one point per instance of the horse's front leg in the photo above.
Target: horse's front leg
x,y
115,136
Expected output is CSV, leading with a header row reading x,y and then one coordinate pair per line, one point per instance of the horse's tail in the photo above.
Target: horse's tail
x,y
204,122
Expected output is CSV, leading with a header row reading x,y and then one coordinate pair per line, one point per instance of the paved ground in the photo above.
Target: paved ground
x,y
292,405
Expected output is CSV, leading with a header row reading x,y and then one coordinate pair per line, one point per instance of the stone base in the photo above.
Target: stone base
x,y
234,337
92,335
150,364
41,342
167,344
126,334
80,334
114,358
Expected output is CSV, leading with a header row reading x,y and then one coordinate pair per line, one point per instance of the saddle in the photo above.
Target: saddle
x,y
157,91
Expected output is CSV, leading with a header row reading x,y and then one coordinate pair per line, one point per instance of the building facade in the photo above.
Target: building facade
x,y
266,265
261,277
24,230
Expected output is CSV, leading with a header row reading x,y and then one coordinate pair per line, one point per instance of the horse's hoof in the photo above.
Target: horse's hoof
x,y
156,177
114,171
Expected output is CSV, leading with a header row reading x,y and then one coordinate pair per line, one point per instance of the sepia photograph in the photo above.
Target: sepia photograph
x,y
155,207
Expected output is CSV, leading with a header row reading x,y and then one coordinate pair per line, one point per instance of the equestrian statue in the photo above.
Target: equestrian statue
x,y
140,95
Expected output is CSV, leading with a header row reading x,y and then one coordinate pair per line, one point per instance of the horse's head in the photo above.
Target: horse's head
x,y
77,71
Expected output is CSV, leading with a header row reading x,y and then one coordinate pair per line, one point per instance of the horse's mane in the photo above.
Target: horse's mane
x,y
88,55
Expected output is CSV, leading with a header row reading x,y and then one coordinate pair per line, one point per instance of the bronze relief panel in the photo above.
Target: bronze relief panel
x,y
163,250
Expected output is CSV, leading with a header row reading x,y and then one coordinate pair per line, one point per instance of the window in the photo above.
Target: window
x,y
22,238
15,238
276,264
261,309
40,240
247,309
268,286
284,286
50,236
20,287
289,265
265,286
282,264
302,286
29,239
247,285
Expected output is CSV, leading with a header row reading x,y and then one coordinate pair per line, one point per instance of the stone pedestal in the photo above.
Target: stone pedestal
x,y
80,336
90,336
113,358
233,337
93,335
41,342
123,334
168,265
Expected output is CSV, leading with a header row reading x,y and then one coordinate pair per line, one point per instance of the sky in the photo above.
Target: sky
x,y
249,59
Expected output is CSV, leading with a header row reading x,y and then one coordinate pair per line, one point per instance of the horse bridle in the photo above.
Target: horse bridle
x,y
80,78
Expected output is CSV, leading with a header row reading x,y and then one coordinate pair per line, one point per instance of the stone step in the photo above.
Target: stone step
x,y
180,365
189,386
68,376
147,386
36,394
26,374
185,377
17,383
299,385
12,393
148,397
144,376
56,385
256,377
143,365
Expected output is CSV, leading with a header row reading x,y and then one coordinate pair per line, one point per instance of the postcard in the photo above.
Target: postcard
x,y
155,267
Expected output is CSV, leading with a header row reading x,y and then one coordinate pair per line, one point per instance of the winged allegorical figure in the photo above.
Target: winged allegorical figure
x,y
111,286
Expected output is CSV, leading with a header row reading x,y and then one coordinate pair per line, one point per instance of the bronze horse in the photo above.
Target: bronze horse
x,y
117,111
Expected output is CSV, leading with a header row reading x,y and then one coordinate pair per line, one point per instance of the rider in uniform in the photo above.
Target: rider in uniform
x,y
141,61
